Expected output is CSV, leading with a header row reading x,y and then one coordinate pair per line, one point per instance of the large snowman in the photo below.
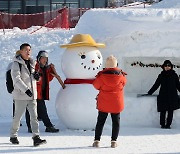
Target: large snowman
x,y
76,104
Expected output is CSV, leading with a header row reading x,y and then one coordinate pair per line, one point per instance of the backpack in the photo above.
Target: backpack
x,y
9,81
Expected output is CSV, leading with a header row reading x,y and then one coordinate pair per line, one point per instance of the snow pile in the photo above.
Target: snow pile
x,y
134,32
146,35
167,4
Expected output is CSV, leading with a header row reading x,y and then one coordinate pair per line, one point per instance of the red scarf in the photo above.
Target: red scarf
x,y
78,81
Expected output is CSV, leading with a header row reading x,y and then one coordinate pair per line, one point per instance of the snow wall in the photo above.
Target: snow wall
x,y
146,35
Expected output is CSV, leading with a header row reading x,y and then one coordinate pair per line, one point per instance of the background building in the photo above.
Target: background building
x,y
36,6
51,13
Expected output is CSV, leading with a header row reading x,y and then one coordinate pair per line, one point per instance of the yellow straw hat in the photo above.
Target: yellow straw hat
x,y
82,40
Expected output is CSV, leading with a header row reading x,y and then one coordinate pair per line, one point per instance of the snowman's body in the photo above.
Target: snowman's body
x,y
76,104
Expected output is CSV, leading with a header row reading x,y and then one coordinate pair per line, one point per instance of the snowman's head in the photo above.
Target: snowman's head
x,y
82,59
81,62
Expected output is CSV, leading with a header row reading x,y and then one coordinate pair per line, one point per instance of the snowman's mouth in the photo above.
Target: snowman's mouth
x,y
91,68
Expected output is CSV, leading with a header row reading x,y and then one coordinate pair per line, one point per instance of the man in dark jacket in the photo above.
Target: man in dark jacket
x,y
167,100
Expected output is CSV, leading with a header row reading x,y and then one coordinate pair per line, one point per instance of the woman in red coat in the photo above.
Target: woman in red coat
x,y
45,73
110,82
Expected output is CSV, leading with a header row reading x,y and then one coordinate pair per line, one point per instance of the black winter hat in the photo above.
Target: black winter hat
x,y
167,62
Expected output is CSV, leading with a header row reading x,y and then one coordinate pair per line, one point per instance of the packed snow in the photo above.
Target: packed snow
x,y
148,35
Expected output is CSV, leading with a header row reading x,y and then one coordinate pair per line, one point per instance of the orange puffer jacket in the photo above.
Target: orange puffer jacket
x,y
110,83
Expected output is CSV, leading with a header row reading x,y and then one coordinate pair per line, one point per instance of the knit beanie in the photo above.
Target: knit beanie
x,y
41,53
167,62
111,62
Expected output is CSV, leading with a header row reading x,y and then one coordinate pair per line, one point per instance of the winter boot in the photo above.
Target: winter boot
x,y
163,126
168,127
14,140
113,144
96,144
51,129
38,141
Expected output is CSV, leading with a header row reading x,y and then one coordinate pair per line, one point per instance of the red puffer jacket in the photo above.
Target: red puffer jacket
x,y
49,77
110,83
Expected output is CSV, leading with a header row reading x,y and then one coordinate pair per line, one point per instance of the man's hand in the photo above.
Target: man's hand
x,y
29,93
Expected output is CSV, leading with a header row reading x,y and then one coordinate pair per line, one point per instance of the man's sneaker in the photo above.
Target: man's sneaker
x,y
96,144
29,130
51,129
113,144
38,141
14,140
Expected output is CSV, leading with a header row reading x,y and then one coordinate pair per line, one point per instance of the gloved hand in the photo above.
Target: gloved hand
x,y
29,93
36,76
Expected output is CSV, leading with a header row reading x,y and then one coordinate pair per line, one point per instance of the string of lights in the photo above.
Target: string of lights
x,y
139,63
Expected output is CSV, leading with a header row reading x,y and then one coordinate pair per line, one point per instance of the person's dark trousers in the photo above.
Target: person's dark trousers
x,y
163,120
115,125
102,116
42,114
169,118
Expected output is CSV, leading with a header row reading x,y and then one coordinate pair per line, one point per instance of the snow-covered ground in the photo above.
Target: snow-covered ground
x,y
148,35
131,140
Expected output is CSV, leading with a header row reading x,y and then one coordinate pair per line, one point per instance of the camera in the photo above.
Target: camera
x,y
36,76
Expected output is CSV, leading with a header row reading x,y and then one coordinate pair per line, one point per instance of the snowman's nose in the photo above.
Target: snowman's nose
x,y
92,61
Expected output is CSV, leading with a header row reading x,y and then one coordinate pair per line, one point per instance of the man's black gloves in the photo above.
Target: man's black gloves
x,y
36,76
29,93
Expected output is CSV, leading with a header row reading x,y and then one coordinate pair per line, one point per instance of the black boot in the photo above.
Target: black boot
x,y
51,129
168,127
14,140
38,141
163,126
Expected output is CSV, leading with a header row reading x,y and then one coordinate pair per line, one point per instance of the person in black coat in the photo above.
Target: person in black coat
x,y
168,99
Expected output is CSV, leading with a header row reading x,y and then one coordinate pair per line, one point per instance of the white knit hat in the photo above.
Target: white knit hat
x,y
111,62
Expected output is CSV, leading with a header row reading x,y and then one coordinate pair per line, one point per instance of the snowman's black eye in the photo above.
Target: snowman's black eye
x,y
83,56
